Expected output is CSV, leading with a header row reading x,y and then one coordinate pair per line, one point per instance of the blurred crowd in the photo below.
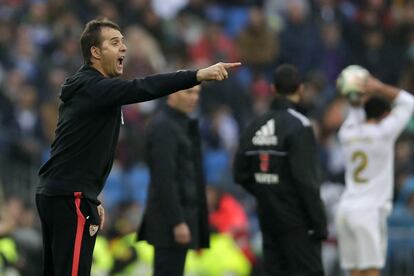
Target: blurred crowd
x,y
39,48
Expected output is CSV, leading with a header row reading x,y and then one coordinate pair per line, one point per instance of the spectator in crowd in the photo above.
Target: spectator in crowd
x,y
335,54
227,215
257,32
26,147
378,57
212,46
299,39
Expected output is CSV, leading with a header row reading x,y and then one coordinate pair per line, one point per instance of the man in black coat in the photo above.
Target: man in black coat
x,y
83,150
276,162
176,216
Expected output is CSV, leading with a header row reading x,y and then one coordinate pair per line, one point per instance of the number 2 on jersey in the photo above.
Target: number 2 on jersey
x,y
362,159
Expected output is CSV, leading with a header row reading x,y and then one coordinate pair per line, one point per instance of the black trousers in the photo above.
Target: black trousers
x,y
69,234
169,261
293,254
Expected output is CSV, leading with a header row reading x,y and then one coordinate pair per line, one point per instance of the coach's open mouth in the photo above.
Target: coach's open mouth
x,y
121,61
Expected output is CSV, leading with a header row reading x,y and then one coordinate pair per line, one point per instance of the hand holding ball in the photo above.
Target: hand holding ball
x,y
351,81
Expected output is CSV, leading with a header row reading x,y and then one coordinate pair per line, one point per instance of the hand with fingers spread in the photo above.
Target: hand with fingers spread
x,y
217,71
374,86
371,85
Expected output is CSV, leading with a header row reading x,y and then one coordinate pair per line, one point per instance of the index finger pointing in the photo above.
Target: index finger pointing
x,y
231,65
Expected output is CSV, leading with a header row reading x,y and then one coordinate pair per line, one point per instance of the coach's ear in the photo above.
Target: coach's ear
x,y
96,52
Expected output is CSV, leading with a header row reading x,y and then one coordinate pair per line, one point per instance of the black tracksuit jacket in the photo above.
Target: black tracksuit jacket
x,y
276,162
177,189
83,150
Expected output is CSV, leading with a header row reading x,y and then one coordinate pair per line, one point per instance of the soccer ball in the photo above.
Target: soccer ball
x,y
350,81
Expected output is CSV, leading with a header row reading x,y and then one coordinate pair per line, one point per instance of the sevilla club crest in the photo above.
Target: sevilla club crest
x,y
93,229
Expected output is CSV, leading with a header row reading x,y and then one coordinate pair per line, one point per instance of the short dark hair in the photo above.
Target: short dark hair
x,y
376,107
286,79
91,36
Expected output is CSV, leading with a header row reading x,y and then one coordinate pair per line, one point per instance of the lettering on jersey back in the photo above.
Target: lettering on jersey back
x,y
357,140
266,178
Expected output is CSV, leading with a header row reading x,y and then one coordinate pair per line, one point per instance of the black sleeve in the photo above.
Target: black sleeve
x,y
162,158
241,167
115,92
304,169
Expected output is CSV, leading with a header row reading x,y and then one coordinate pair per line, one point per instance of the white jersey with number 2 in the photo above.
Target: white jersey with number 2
x,y
369,155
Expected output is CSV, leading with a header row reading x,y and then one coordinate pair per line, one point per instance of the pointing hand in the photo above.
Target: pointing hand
x,y
217,71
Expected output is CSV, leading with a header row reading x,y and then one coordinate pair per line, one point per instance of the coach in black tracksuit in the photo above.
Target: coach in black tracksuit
x,y
276,162
176,216
86,136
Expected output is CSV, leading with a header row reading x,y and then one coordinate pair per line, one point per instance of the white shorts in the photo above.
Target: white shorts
x,y
362,238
